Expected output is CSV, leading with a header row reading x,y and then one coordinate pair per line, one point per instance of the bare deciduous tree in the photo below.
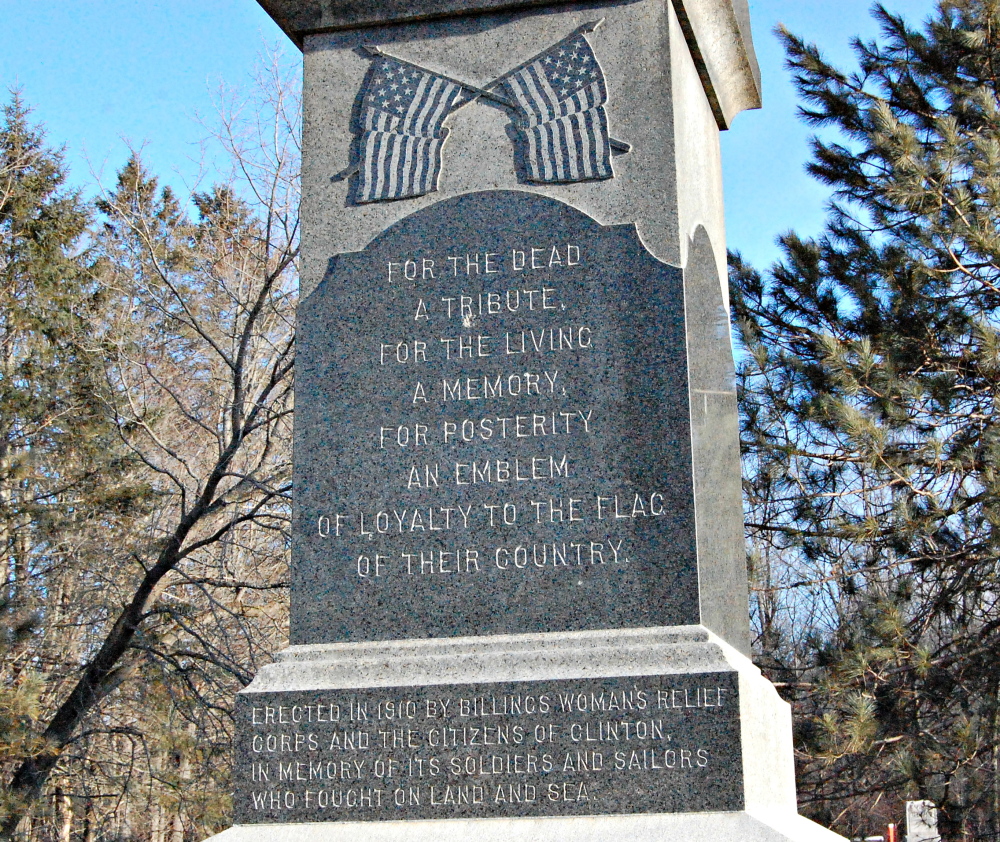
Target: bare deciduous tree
x,y
168,610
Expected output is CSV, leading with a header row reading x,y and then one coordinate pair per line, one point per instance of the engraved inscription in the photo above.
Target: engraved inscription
x,y
597,746
495,404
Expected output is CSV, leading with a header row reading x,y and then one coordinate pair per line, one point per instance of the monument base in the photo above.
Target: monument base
x,y
587,735
744,826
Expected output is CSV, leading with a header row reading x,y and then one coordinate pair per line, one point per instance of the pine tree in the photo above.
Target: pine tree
x,y
870,394
44,296
60,471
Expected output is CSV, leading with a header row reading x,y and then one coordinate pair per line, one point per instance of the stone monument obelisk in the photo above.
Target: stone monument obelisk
x,y
519,600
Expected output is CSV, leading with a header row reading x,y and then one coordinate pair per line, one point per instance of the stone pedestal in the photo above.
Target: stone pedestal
x,y
705,730
518,585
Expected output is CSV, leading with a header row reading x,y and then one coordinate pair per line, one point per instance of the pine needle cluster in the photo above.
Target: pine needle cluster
x,y
870,399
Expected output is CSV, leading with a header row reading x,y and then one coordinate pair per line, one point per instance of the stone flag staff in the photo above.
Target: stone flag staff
x,y
518,585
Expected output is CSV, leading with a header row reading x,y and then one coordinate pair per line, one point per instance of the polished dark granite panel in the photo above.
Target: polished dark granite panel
x,y
647,744
492,431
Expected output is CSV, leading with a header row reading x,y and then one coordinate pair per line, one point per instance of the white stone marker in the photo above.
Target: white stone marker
x,y
922,822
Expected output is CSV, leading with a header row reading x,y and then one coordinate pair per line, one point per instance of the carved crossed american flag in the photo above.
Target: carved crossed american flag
x,y
403,111
558,102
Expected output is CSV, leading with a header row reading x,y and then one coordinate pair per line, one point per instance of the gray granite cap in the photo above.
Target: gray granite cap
x,y
717,32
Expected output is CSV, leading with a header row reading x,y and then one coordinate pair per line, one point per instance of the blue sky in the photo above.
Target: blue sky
x,y
104,75
765,152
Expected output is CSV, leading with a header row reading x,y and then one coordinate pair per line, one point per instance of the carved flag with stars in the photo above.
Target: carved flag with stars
x,y
403,109
560,100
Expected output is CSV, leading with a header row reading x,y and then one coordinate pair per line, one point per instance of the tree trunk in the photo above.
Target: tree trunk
x,y
64,816
995,818
183,775
109,666
158,815
89,834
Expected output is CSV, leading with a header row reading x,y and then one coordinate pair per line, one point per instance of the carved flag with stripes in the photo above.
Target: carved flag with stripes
x,y
560,100
403,109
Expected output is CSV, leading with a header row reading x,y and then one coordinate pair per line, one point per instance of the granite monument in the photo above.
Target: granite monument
x,y
519,600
